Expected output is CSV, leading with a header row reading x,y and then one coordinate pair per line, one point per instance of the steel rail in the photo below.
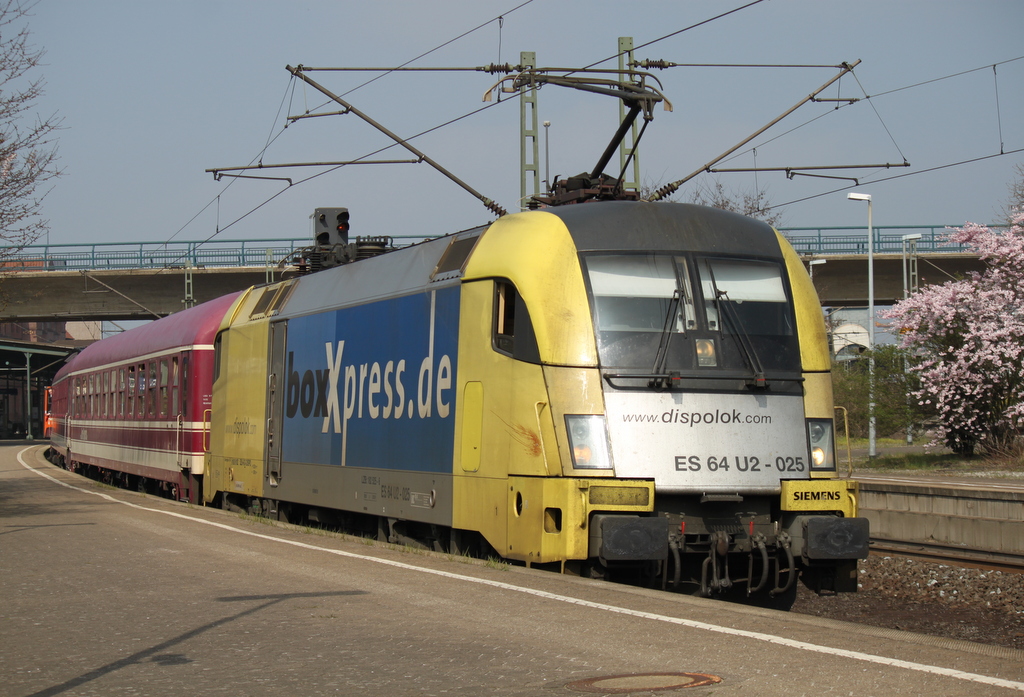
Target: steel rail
x,y
951,554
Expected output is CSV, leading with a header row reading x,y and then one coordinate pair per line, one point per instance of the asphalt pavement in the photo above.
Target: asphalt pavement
x,y
110,592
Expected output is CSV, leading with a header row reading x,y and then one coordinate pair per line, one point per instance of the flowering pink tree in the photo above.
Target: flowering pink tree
x,y
968,336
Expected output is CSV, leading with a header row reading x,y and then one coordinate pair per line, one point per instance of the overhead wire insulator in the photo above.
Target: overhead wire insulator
x,y
659,64
495,68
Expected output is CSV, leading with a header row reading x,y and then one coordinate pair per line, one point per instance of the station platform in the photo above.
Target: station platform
x,y
959,514
109,591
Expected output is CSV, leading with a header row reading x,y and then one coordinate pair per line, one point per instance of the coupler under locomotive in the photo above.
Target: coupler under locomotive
x,y
718,547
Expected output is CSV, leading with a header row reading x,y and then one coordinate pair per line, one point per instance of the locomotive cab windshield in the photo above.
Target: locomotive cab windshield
x,y
686,315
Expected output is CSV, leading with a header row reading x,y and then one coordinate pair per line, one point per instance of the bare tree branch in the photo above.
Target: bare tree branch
x,y
28,147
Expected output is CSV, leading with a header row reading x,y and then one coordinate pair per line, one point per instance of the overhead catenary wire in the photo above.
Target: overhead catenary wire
x,y
291,84
880,120
902,176
868,97
216,199
678,32
328,171
999,118
944,77
386,71
499,18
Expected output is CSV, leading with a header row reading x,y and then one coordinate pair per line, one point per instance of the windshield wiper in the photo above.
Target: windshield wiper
x,y
742,339
661,379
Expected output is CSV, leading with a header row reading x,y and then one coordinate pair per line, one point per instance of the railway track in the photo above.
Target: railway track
x,y
950,554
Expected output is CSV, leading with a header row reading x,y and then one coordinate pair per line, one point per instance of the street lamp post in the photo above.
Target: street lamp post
x,y
811,264
872,449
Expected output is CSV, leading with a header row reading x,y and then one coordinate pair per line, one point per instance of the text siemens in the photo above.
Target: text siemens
x,y
817,496
695,418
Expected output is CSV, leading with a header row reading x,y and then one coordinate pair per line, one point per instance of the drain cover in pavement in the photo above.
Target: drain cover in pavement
x,y
642,682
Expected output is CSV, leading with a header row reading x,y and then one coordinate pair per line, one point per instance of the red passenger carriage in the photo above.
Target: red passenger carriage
x,y
136,404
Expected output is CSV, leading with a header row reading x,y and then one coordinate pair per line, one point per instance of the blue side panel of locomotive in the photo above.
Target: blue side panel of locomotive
x,y
374,385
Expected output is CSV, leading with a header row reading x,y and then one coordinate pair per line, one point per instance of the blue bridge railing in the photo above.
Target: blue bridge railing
x,y
854,240
260,253
154,255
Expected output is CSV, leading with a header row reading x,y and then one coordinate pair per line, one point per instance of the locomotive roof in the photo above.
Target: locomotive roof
x,y
616,225
396,273
613,225
196,326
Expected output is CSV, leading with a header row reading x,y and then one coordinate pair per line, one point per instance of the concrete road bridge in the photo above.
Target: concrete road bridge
x,y
145,280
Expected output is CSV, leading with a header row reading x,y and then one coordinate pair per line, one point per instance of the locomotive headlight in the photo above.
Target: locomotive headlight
x,y
588,441
706,352
821,441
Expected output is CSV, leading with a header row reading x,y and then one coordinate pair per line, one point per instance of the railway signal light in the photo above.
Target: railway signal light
x,y
331,226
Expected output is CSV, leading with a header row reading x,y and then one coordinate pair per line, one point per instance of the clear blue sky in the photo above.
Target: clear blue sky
x,y
153,93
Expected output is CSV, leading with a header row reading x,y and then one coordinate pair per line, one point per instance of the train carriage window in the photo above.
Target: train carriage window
x,y
175,406
184,386
140,392
164,405
151,392
120,392
512,328
130,397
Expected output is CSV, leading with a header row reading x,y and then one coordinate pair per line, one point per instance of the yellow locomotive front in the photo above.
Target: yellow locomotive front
x,y
650,389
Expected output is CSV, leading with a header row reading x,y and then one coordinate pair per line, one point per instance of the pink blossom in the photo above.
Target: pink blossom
x,y
968,337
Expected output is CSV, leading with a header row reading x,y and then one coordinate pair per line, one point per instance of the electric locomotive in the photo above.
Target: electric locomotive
x,y
613,387
605,387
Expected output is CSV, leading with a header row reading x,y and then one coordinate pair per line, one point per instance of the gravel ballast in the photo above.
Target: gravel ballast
x,y
929,598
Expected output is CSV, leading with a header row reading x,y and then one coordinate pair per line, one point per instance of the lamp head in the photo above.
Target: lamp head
x,y
858,197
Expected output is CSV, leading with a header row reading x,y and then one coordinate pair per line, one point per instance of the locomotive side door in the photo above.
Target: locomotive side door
x,y
275,400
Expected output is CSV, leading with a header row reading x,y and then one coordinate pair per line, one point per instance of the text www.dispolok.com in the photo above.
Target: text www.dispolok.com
x,y
696,418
